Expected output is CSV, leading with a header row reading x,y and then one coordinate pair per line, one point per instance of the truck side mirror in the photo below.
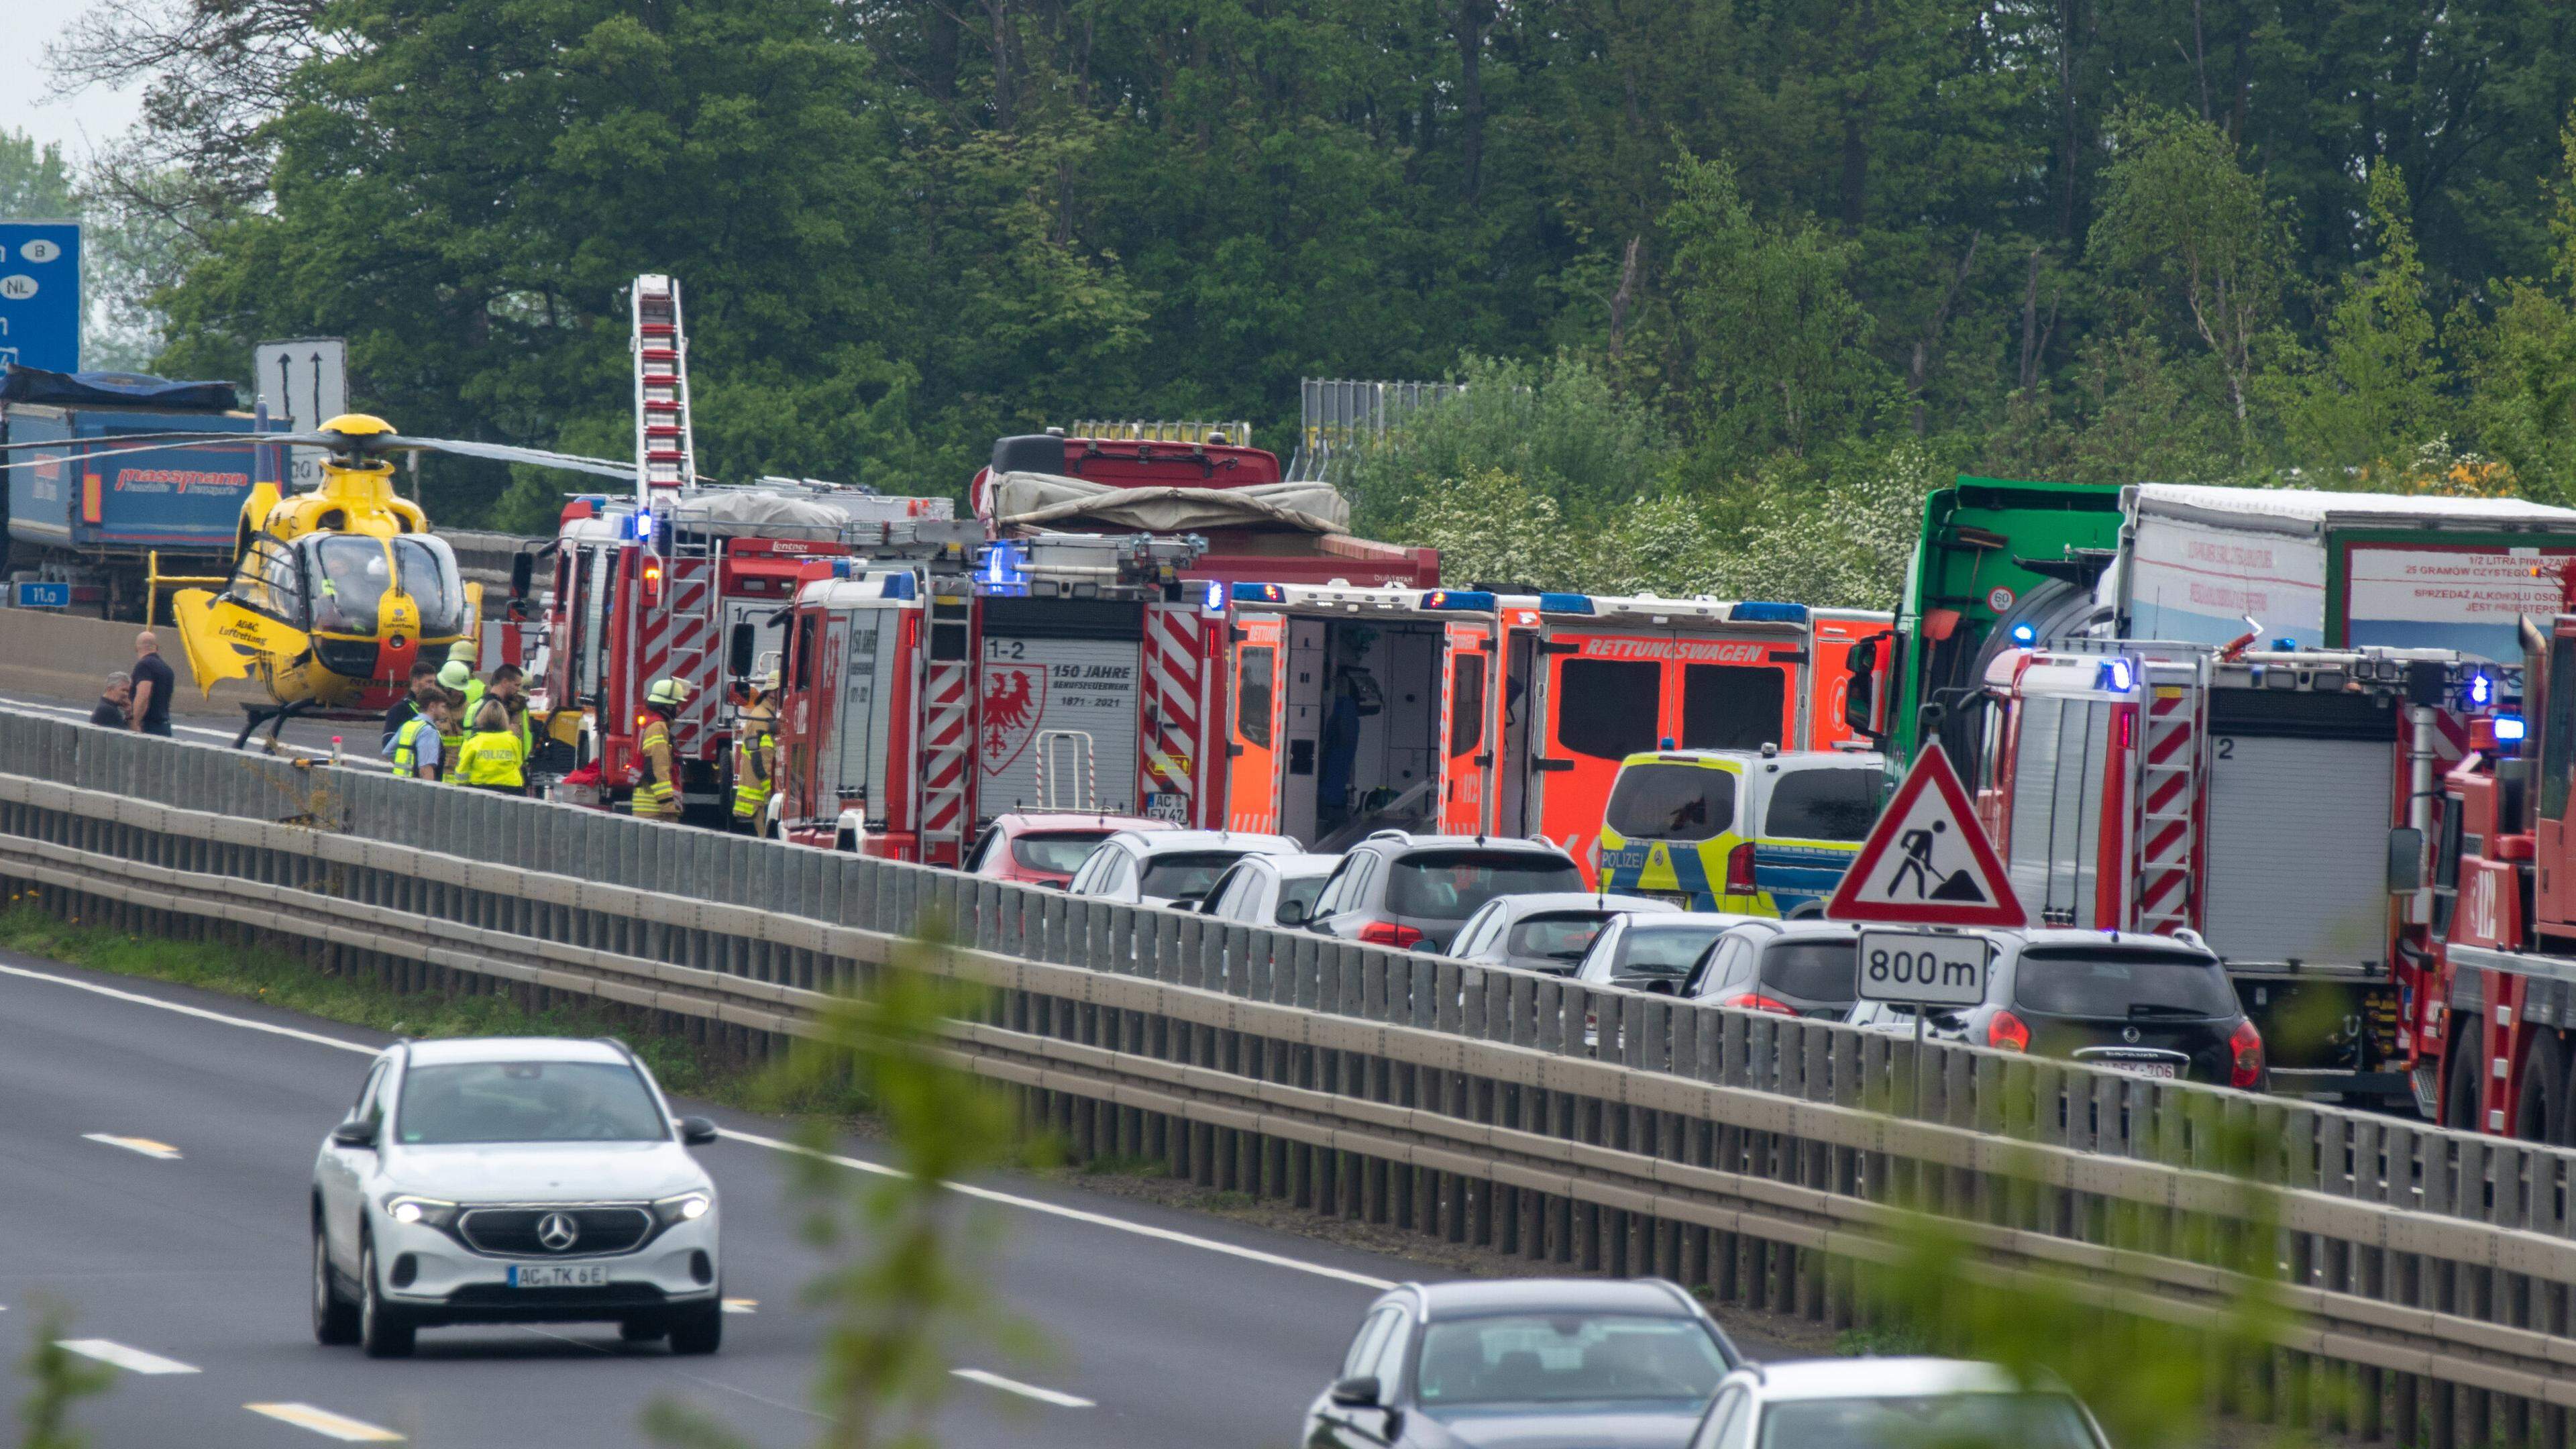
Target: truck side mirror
x,y
738,649
2405,860
523,574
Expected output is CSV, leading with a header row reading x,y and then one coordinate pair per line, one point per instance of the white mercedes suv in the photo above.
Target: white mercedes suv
x,y
513,1180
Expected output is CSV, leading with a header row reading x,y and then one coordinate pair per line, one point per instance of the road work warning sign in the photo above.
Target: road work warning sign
x,y
1927,862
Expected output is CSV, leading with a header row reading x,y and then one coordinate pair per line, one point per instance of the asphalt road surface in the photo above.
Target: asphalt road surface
x,y
309,737
156,1149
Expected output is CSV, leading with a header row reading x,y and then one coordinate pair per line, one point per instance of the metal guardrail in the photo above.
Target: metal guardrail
x,y
2431,1270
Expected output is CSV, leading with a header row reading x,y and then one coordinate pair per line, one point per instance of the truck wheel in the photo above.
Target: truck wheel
x,y
2540,1108
2460,1081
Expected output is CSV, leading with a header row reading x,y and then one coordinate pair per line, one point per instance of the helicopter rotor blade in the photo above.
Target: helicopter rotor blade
x,y
500,452
88,454
180,440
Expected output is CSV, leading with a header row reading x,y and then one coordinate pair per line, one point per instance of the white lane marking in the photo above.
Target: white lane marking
x,y
742,1305
1251,1255
145,1145
327,1424
1030,1204
1014,1386
132,1360
197,1011
348,757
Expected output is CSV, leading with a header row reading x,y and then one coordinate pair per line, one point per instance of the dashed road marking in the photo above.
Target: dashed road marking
x,y
132,1360
742,1305
145,1145
327,1424
1032,1391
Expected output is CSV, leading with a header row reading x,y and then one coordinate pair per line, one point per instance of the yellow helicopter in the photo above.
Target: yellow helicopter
x,y
335,591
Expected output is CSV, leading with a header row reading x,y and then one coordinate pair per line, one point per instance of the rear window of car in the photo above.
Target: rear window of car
x,y
1824,804
1056,850
1300,895
1671,802
2111,982
1185,872
1813,970
1449,885
1662,950
1555,936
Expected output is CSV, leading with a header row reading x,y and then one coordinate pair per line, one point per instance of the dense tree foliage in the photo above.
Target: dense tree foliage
x,y
2204,238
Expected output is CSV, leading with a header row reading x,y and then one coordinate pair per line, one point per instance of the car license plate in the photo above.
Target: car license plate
x,y
558,1275
1683,899
2161,1071
1167,805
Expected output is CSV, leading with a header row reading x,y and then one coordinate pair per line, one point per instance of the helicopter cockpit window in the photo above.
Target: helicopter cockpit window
x,y
429,576
350,577
267,581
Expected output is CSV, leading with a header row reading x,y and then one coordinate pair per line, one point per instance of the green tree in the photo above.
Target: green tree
x,y
1557,428
2190,227
1493,528
2378,390
56,1380
2521,361
35,184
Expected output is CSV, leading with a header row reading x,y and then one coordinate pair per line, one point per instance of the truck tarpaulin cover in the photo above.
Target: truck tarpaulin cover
x,y
88,389
760,510
1031,500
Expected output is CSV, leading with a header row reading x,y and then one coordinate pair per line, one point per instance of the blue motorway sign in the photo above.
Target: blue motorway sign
x,y
40,294
56,595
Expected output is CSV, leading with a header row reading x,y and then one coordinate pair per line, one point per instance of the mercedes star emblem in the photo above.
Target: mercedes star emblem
x,y
557,1231
2129,1034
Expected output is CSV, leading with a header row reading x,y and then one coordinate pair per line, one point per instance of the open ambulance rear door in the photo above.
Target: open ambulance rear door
x,y
846,735
1466,727
1254,726
1834,636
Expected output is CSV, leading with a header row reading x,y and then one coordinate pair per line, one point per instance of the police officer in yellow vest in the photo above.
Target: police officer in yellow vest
x,y
755,756
657,793
493,758
420,752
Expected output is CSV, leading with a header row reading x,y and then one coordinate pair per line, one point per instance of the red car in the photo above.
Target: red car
x,y
1045,848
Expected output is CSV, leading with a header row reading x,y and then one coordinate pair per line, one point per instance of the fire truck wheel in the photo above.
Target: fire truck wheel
x,y
2540,1109
2460,1081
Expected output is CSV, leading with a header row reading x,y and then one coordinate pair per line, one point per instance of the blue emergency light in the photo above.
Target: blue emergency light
x,y
2117,676
644,523
2510,730
1002,566
1215,602
1458,599
1769,613
2479,692
1565,603
1260,594
2024,633
897,585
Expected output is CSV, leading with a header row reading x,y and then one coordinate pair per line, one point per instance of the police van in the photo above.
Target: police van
x,y
1760,832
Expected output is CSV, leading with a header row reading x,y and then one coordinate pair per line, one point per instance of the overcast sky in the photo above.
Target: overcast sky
x,y
79,123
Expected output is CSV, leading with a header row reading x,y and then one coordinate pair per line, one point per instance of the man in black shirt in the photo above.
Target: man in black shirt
x,y
153,683
407,708
110,709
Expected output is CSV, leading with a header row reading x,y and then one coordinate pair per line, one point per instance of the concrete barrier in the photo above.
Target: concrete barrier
x,y
68,656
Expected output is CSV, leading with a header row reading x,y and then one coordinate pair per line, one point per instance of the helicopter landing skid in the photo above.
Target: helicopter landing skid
x,y
273,716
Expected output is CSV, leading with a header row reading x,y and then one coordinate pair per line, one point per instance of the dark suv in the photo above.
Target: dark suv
x,y
1415,891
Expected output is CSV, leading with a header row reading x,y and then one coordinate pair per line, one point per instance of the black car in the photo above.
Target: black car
x,y
1524,1362
1415,891
2156,1006
1788,968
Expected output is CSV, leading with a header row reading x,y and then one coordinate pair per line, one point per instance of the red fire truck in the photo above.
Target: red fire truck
x,y
1473,712
916,701
2245,797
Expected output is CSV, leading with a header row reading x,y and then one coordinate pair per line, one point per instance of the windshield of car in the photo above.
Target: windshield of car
x,y
1555,936
2116,982
1561,1358
527,1102
1449,885
1671,802
1664,950
1061,851
1185,873
1813,970
429,576
1824,804
349,582
2025,1421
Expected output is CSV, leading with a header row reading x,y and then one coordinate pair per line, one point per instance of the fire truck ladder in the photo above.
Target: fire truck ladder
x,y
665,447
2170,764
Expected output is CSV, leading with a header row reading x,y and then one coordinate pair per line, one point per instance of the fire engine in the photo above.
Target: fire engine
x,y
1480,713
917,700
2242,799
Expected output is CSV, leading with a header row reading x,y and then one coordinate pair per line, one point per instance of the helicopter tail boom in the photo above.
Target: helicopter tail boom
x,y
226,641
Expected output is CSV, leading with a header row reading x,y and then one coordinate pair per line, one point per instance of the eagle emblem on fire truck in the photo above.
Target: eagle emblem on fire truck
x,y
1013,700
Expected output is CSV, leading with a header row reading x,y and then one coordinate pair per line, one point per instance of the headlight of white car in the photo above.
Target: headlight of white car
x,y
433,1212
687,1207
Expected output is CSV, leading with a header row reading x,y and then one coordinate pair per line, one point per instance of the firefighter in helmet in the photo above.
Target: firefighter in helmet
x,y
755,753
657,792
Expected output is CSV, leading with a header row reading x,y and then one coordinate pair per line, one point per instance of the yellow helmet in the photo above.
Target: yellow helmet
x,y
669,693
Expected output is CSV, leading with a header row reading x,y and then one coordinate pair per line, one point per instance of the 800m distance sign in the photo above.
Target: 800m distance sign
x,y
1926,968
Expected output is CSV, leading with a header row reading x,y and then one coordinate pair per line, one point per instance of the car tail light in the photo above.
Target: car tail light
x,y
1739,870
1756,1001
2007,1032
2246,1044
1388,933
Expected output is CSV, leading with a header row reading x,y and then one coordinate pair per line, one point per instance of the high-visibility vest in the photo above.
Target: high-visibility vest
x,y
754,756
491,757
653,793
407,746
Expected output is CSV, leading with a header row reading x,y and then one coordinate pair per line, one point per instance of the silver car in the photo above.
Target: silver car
x,y
1892,1403
1269,890
1546,932
1167,867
